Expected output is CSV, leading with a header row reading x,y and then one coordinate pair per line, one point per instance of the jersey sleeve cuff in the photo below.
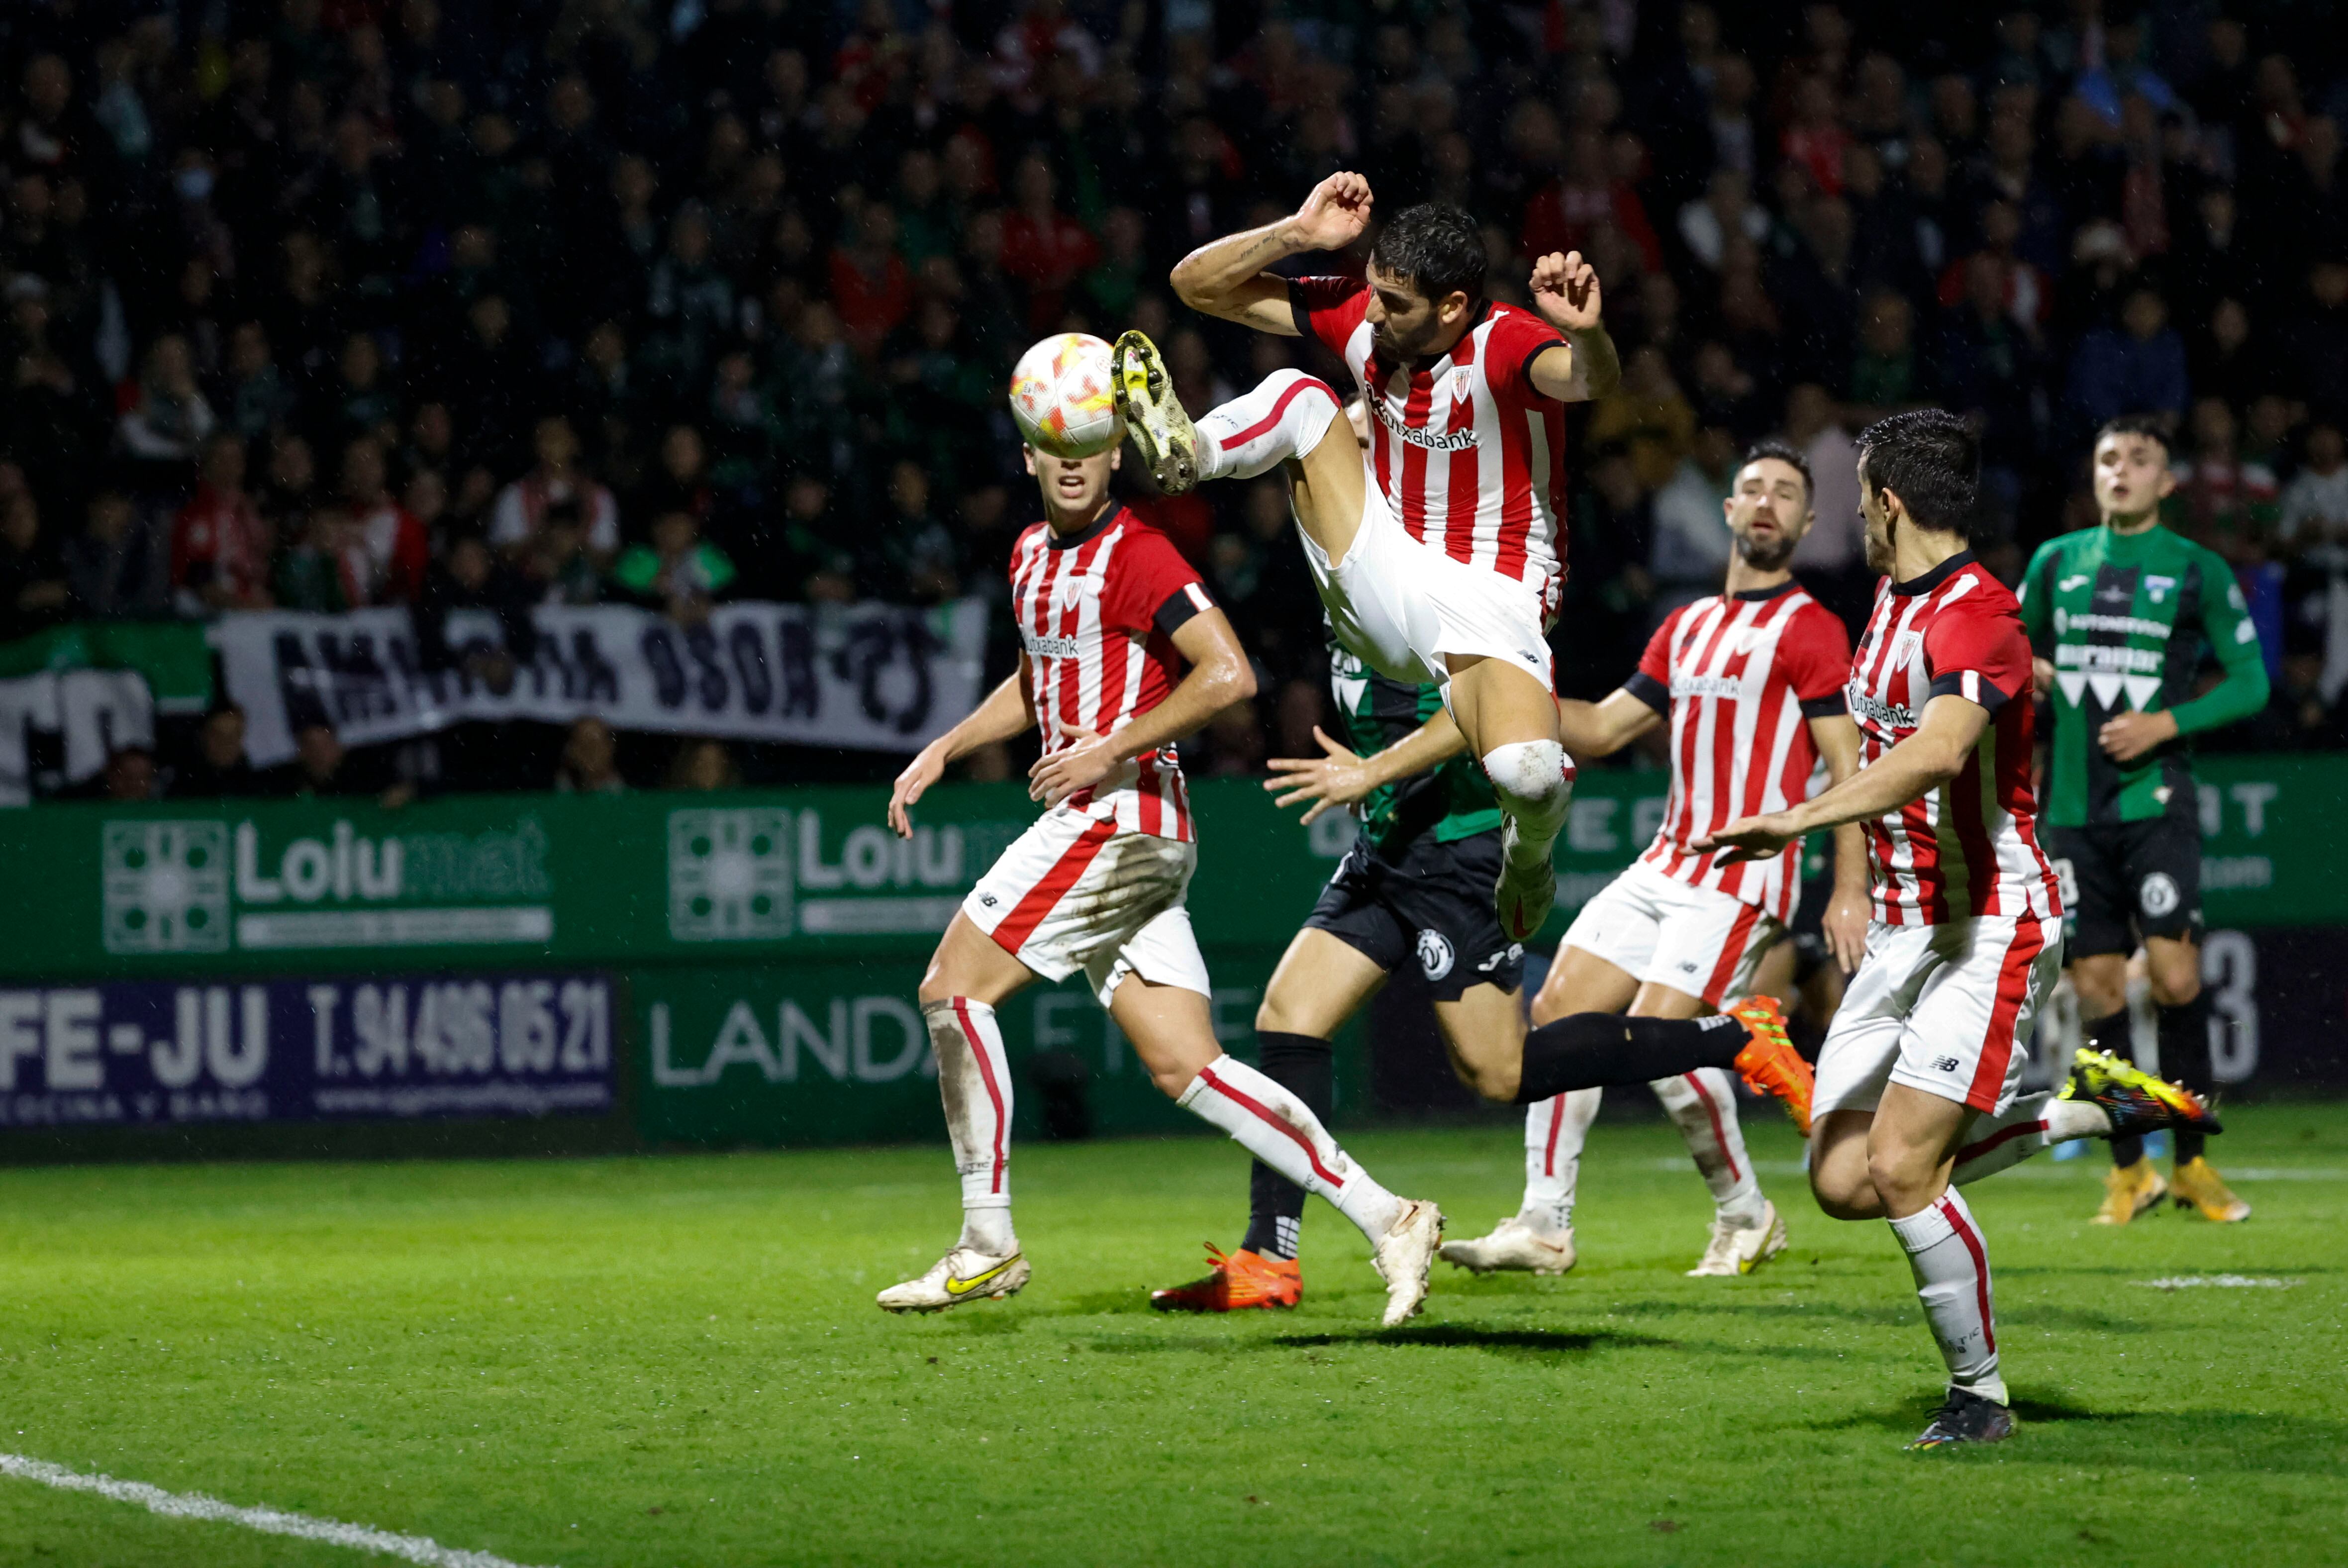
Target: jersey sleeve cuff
x,y
1525,366
1181,607
1651,691
1825,706
1973,687
1301,311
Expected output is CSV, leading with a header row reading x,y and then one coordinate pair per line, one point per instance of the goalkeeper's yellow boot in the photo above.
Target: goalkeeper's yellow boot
x,y
2198,1187
2130,1191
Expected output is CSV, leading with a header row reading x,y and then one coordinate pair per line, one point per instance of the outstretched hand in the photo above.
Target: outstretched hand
x,y
1330,782
1083,762
1335,214
1750,839
1565,291
928,766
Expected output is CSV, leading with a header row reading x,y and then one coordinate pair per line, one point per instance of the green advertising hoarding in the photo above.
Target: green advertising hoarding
x,y
768,944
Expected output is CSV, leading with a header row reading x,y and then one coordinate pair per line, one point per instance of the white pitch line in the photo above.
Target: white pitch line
x,y
421,1549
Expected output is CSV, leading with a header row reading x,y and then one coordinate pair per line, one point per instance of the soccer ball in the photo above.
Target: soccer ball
x,y
1060,396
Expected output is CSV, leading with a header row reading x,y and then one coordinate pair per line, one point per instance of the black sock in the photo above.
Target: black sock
x,y
2110,1032
1604,1050
1307,1068
2185,1058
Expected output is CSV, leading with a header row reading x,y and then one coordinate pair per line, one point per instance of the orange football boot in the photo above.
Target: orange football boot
x,y
1238,1280
1769,1063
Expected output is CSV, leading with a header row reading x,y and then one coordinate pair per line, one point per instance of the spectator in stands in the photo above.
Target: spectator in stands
x,y
2220,501
221,544
1043,247
168,419
1691,541
2313,518
679,574
395,551
2136,367
220,767
703,765
589,764
1647,417
33,591
522,506
256,398
119,564
130,775
474,577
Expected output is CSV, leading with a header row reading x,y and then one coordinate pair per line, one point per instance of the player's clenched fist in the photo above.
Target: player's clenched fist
x,y
1335,215
1565,291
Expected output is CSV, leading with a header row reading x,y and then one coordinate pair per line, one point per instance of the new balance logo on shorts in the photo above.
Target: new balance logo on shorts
x,y
1945,1063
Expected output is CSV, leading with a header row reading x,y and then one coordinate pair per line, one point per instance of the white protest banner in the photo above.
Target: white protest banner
x,y
878,677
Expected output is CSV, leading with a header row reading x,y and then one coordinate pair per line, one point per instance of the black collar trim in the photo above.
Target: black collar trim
x,y
1763,596
1092,531
1935,577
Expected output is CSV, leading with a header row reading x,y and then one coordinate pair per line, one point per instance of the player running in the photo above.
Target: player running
x,y
1109,614
1915,1089
1751,682
1446,570
2119,615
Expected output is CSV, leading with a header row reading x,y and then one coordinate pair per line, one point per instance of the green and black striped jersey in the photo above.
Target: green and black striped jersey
x,y
2126,619
1453,800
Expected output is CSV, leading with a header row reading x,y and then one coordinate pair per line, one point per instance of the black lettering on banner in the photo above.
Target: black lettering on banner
x,y
749,651
702,643
668,670
297,682
598,681
873,646
361,690
551,667
802,687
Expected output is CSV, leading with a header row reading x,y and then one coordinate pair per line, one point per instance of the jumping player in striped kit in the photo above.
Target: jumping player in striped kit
x,y
1437,555
1109,615
1751,682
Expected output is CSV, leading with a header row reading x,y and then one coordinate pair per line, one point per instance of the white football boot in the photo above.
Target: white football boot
x,y
1403,1255
1740,1249
963,1274
1522,895
1513,1246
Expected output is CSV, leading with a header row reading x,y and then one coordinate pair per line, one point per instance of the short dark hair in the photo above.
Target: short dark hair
x,y
1786,452
1437,247
2145,425
1929,459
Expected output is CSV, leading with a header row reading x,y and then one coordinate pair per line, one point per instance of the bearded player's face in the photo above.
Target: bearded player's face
x,y
1769,512
1403,322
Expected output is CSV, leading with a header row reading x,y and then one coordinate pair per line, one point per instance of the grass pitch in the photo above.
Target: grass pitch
x,y
676,1361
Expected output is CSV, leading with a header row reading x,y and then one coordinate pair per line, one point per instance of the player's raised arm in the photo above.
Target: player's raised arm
x,y
1585,365
1340,776
1952,727
1008,710
1226,277
1219,676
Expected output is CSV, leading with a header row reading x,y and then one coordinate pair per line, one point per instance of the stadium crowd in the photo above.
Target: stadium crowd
x,y
322,304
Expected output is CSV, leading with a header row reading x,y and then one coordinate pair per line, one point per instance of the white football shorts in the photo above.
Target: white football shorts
x,y
1072,892
1400,605
1947,1009
1660,931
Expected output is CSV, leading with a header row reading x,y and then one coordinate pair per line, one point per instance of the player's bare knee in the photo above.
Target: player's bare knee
x,y
1904,1179
1841,1198
2175,974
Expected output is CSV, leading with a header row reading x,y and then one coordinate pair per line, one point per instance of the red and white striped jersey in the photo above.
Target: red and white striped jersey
x,y
1739,677
1470,455
1970,847
1098,612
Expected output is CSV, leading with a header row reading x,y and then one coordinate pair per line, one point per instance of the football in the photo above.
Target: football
x,y
1060,396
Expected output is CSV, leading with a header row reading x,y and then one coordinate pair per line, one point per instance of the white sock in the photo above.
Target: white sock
x,y
1285,417
1534,782
1555,1130
2029,1125
1702,1106
1274,1126
975,1082
1951,1263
